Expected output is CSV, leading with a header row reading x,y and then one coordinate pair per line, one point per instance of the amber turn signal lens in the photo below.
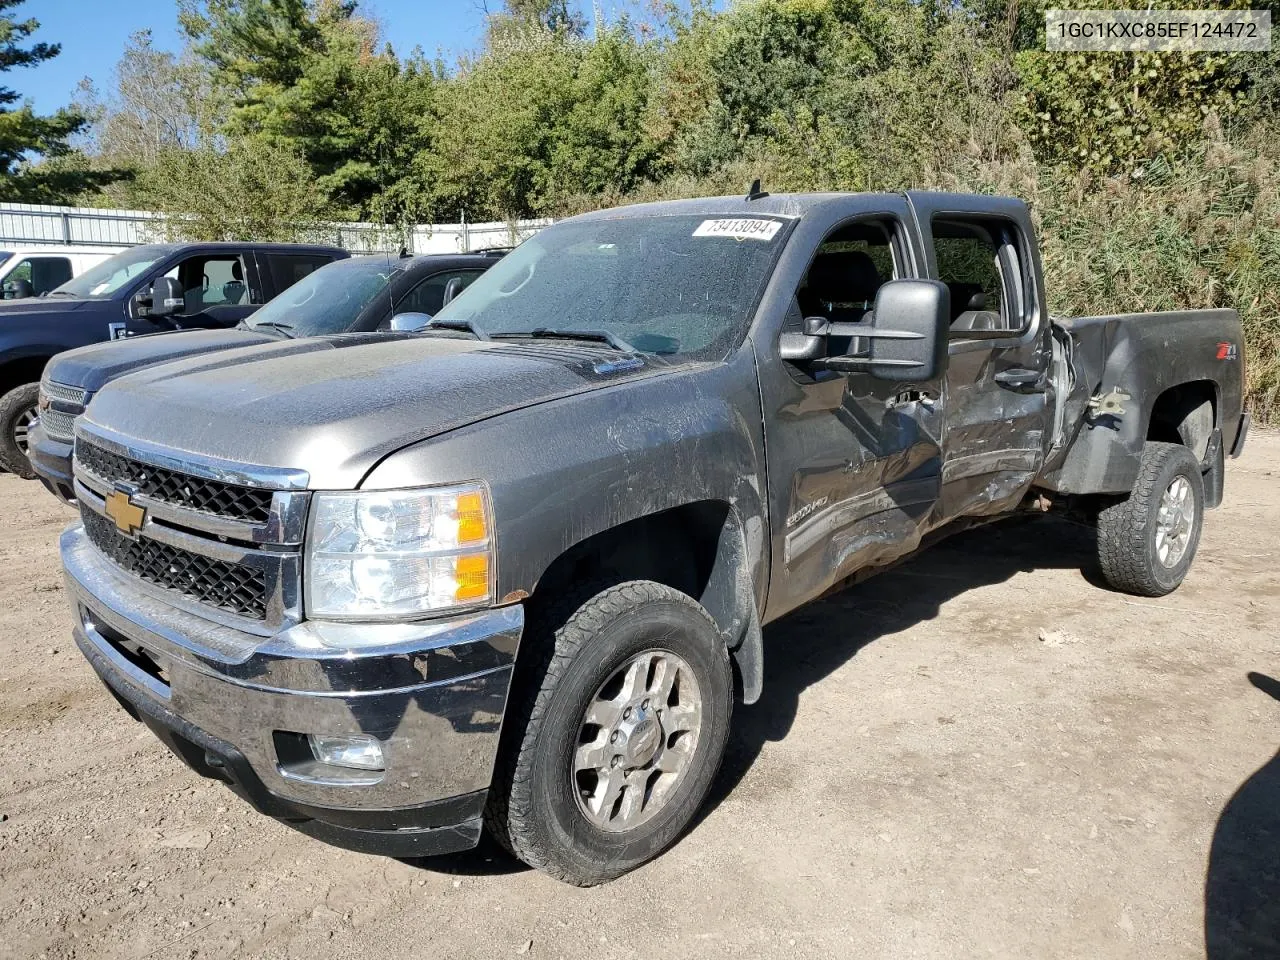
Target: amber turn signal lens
x,y
471,525
471,573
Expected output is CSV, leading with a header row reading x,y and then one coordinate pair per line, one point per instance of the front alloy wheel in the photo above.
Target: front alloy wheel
x,y
615,727
637,740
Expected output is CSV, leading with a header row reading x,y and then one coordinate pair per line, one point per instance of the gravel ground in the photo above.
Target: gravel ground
x,y
982,753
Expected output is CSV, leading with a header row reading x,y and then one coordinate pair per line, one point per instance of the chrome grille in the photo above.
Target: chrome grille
x,y
58,425
64,392
228,586
180,489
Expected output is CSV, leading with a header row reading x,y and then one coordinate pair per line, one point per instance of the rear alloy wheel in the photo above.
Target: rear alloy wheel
x,y
18,415
1147,541
614,731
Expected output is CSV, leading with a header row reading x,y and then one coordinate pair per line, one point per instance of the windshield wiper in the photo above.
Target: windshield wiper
x,y
282,327
598,336
61,293
465,326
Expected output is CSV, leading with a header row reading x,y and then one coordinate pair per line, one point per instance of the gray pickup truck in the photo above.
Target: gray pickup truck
x,y
511,571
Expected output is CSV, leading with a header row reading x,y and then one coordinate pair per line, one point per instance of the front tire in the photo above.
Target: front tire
x,y
17,414
1147,541
614,734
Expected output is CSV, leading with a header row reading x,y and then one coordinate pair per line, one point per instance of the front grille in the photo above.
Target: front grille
x,y
214,497
58,425
64,392
227,586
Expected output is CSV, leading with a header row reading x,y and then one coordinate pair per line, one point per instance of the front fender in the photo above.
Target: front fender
x,y
563,471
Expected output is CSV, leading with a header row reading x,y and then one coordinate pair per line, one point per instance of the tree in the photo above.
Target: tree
x,y
157,101
553,15
308,77
26,138
247,191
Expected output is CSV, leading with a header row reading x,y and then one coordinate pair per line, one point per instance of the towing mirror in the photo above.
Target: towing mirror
x,y
904,338
166,298
909,330
410,322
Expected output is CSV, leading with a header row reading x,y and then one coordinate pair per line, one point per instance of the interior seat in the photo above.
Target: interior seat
x,y
841,286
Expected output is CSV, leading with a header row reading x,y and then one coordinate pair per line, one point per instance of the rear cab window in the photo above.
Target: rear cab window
x,y
286,269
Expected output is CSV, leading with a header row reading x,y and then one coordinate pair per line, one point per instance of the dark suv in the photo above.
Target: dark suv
x,y
360,295
154,288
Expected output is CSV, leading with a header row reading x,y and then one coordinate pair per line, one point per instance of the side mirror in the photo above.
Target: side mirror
x,y
166,297
410,322
904,337
18,290
452,289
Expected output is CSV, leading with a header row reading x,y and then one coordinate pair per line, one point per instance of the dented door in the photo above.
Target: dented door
x,y
997,392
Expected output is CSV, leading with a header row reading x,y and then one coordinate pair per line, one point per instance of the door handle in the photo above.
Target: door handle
x,y
1017,378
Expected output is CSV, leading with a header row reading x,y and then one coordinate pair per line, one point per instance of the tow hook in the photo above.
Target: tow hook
x,y
1108,404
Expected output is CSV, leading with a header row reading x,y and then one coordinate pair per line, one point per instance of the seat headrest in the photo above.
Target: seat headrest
x,y
847,276
237,272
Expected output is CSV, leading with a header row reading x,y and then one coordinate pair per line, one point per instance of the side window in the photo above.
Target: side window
x,y
848,270
980,264
43,273
288,268
211,281
429,296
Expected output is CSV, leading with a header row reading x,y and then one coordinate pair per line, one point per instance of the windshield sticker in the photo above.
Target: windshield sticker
x,y
741,228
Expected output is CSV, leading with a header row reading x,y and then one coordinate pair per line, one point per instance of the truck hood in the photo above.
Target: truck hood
x,y
91,367
38,305
335,406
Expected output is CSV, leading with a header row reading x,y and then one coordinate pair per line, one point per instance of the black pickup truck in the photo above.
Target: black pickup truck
x,y
155,288
359,295
510,571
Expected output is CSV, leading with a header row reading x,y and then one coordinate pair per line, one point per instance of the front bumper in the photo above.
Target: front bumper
x,y
235,706
51,460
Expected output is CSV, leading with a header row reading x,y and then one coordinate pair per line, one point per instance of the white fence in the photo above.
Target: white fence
x,y
41,224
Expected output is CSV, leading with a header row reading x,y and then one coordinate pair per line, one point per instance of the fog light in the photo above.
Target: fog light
x,y
357,752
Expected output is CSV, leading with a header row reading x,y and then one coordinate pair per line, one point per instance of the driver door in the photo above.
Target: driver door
x,y
218,290
854,461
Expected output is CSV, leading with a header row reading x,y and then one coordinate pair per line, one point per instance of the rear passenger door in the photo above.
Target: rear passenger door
x,y
995,392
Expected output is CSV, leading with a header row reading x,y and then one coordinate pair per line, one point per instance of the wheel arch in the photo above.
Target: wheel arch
x,y
1186,413
699,548
17,371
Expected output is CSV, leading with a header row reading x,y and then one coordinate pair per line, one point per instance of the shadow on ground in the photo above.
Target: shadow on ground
x,y
805,647
1242,889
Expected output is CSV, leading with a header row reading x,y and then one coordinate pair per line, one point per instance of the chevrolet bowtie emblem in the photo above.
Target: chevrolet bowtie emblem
x,y
127,515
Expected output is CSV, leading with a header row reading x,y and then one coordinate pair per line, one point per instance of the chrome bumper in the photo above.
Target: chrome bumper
x,y
433,692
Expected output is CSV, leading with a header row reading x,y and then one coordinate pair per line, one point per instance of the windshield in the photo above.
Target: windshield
x,y
100,282
679,285
328,300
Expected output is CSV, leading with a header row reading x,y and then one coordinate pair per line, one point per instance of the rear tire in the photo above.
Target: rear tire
x,y
1147,541
551,807
17,413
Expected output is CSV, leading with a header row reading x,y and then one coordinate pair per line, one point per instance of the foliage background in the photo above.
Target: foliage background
x,y
1153,177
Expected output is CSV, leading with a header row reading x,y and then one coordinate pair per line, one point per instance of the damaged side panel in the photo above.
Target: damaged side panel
x,y
1120,367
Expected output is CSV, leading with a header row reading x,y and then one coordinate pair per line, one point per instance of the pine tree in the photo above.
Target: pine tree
x,y
37,164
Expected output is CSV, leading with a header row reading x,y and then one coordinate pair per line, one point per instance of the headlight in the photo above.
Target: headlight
x,y
392,553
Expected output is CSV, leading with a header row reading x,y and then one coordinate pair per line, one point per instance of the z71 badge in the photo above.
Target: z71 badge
x,y
1228,351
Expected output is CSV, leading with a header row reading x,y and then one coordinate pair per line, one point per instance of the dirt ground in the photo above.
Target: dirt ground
x,y
982,753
